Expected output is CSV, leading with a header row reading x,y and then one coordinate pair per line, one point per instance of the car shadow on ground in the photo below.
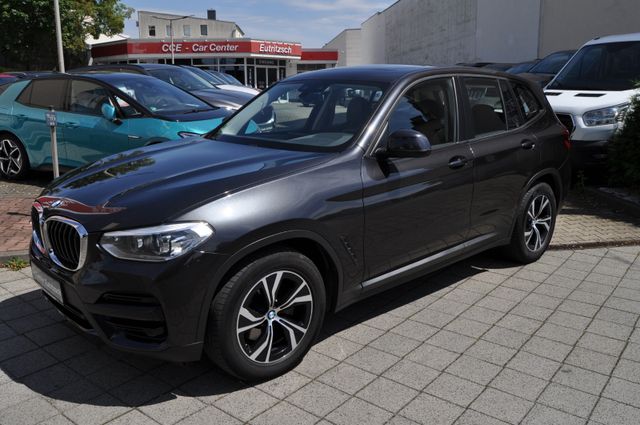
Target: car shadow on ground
x,y
71,368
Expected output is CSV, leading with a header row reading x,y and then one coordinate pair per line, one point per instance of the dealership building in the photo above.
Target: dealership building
x,y
212,44
437,32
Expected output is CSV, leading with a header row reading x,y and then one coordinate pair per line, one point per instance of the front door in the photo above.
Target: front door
x,y
89,136
415,207
265,77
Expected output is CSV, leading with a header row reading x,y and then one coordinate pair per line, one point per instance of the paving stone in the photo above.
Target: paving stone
x,y
411,374
57,420
495,303
518,323
284,414
135,417
470,328
601,344
629,370
47,380
580,379
505,337
387,394
384,321
115,374
74,395
542,415
372,360
337,348
559,333
617,316
463,296
451,341
395,344
579,308
97,411
434,318
456,390
623,391
609,329
244,404
501,405
356,411
483,315
588,297
315,364
490,352
473,369
592,360
470,417
519,384
623,304
318,398
632,352
569,320
611,412
547,348
347,378
415,330
396,420
575,402
426,409
432,356
15,346
140,390
532,312
27,363
281,386
361,334
534,365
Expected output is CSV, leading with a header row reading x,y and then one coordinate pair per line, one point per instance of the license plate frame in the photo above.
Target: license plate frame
x,y
49,285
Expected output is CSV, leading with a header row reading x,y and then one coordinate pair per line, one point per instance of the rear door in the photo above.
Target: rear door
x,y
505,151
415,207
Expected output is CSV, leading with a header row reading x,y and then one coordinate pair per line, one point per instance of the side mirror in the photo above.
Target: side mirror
x,y
407,144
108,111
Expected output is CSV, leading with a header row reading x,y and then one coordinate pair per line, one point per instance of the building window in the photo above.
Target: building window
x,y
204,30
186,29
168,30
152,30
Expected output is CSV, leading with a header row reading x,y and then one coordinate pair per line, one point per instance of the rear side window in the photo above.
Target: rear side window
x,y
487,109
527,101
511,107
44,93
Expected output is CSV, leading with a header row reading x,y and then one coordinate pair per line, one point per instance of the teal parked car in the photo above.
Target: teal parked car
x,y
97,115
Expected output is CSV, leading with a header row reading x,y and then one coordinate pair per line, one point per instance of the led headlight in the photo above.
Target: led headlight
x,y
158,243
604,116
187,134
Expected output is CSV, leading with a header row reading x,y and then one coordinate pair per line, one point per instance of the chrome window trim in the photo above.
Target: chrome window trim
x,y
79,228
34,235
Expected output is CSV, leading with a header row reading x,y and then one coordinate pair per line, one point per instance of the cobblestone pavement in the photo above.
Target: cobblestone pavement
x,y
482,342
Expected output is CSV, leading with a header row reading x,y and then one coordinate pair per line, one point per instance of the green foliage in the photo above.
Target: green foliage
x,y
27,35
624,150
15,264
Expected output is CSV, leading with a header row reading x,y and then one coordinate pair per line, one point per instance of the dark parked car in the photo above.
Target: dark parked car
x,y
548,67
237,244
522,67
182,78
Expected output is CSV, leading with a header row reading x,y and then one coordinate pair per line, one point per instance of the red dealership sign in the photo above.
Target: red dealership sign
x,y
205,47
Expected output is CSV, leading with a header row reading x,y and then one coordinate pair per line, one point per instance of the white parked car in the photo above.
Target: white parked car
x,y
592,93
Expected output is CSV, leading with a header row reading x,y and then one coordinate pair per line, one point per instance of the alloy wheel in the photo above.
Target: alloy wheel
x,y
538,223
274,317
10,158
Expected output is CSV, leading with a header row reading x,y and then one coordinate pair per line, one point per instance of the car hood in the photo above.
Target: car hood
x,y
242,89
577,102
541,79
224,98
158,183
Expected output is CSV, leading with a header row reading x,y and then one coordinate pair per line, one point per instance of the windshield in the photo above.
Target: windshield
x,y
608,67
207,76
316,115
158,96
182,78
552,64
230,79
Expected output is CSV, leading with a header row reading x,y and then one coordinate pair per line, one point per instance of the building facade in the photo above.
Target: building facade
x,y
348,44
436,32
225,48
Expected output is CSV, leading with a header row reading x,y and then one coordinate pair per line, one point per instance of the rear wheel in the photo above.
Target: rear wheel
x,y
265,318
14,162
535,224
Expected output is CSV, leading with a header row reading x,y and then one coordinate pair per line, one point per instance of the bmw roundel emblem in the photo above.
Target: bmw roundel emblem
x,y
56,204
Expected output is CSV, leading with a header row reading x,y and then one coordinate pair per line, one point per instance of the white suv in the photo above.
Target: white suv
x,y
591,94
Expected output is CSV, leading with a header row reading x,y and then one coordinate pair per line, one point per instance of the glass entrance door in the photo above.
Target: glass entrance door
x,y
265,77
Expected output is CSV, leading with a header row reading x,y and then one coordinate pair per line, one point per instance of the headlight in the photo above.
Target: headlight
x,y
158,243
604,116
186,134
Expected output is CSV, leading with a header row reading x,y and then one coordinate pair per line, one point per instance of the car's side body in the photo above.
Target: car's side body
x,y
369,223
86,136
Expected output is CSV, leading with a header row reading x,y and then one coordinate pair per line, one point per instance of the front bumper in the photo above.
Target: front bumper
x,y
155,309
588,154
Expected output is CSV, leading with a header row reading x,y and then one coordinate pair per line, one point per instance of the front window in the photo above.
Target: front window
x,y
607,67
316,115
551,64
158,96
182,78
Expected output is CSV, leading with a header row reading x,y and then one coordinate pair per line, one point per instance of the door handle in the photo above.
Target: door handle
x,y
457,162
528,144
71,124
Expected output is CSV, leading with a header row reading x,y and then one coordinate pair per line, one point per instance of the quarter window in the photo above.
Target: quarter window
x,y
87,98
511,107
428,107
487,109
45,93
527,101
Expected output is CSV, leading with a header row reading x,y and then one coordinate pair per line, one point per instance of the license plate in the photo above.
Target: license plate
x,y
47,283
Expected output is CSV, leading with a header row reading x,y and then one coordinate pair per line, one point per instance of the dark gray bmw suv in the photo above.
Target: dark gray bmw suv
x,y
237,244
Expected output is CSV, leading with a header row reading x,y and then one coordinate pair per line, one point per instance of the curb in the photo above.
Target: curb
x,y
595,244
614,201
8,255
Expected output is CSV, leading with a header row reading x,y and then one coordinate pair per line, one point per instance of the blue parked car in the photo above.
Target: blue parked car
x,y
97,114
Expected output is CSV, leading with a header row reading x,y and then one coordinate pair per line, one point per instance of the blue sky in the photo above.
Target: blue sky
x,y
311,22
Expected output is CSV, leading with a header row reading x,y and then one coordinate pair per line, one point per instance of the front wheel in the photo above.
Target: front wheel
x,y
534,226
265,318
14,162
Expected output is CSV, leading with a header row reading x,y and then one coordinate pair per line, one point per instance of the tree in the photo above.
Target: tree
x,y
624,149
27,35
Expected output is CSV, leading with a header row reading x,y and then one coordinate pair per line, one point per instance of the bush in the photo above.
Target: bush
x,y
624,150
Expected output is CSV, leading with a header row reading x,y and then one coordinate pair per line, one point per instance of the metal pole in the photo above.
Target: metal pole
x,y
56,12
54,145
173,54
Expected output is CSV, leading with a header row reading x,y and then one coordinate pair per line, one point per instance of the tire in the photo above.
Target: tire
x,y
530,237
238,340
14,161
